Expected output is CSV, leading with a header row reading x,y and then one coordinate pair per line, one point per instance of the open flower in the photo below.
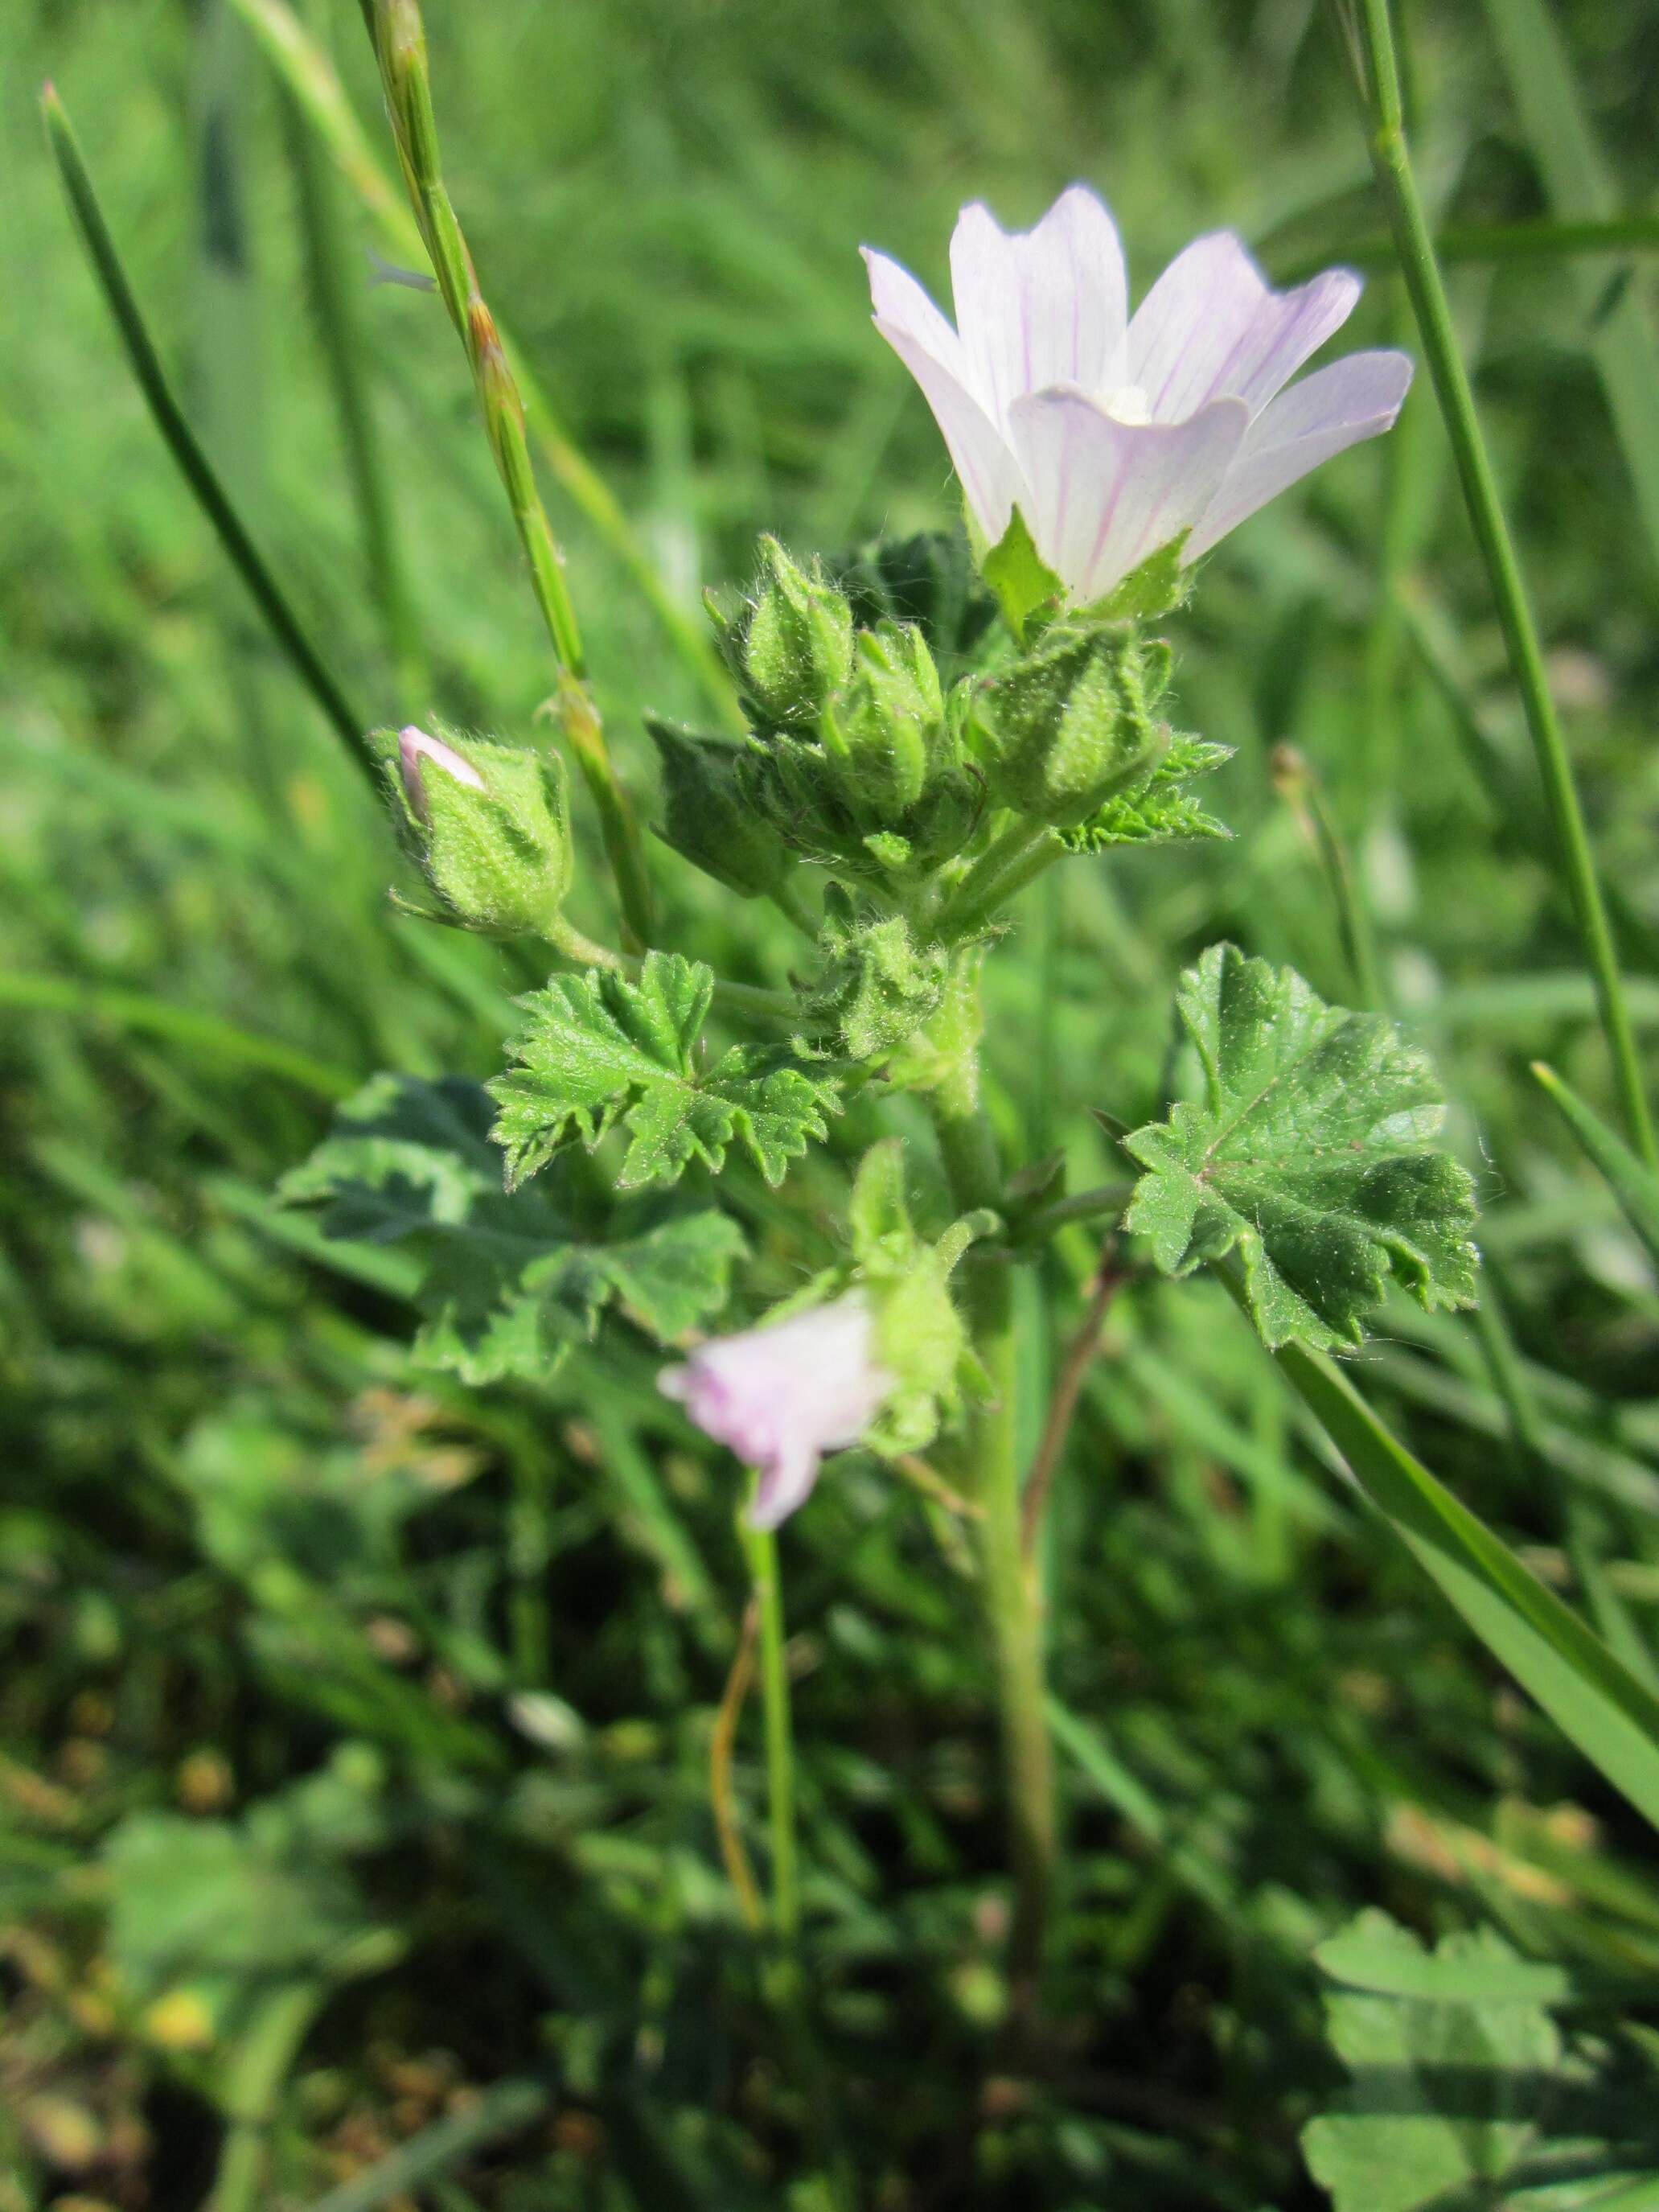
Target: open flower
x,y
782,1395
1112,433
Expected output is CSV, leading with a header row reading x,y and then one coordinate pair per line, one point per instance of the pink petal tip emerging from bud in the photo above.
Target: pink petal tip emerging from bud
x,y
414,745
781,1397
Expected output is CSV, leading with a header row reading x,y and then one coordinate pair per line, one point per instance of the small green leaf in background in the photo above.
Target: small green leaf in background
x,y
1444,2092
1311,1154
220,1908
929,578
511,1281
1462,2089
1161,809
598,1050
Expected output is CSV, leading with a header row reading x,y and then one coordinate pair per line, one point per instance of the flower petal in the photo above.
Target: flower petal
x,y
1358,397
899,303
1041,307
1211,327
786,1482
989,473
1106,494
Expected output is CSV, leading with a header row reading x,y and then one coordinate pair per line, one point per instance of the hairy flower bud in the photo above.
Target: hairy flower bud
x,y
1072,722
793,647
486,823
887,724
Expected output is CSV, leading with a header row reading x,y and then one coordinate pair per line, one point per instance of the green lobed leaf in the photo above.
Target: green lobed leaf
x,y
511,1281
1160,810
1310,1154
598,1051
1444,2092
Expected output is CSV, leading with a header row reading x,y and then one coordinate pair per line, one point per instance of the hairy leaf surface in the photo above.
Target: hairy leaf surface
x,y
1311,1154
599,1050
512,1280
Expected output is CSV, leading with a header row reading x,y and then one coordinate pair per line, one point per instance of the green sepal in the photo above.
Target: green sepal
x,y
1160,810
510,1283
875,985
1310,1154
598,1051
497,859
1023,583
1160,584
921,1338
1072,723
813,802
708,820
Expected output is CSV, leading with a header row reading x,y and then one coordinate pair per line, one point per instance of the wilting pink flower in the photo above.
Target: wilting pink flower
x,y
413,746
1111,433
782,1396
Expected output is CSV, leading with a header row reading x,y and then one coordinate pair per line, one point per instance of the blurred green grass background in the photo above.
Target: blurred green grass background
x,y
353,1729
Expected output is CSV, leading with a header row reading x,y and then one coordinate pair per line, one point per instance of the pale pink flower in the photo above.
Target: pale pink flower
x,y
782,1395
413,747
1112,433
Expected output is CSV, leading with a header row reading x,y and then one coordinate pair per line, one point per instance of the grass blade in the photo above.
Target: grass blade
x,y
502,2110
1543,239
182,442
1592,1697
205,1033
339,331
1391,158
1620,339
1634,1186
310,77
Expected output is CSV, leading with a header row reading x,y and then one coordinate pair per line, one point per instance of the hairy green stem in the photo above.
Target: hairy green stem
x,y
761,1550
1081,1206
752,999
1014,858
1390,157
183,444
1011,1593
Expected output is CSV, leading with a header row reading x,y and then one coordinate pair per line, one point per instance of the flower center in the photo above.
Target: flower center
x,y
1126,403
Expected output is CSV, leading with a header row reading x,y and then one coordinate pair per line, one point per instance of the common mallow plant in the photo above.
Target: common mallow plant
x,y
912,733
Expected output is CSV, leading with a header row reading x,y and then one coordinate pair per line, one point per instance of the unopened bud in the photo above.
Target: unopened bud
x,y
486,823
793,648
1072,723
887,724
